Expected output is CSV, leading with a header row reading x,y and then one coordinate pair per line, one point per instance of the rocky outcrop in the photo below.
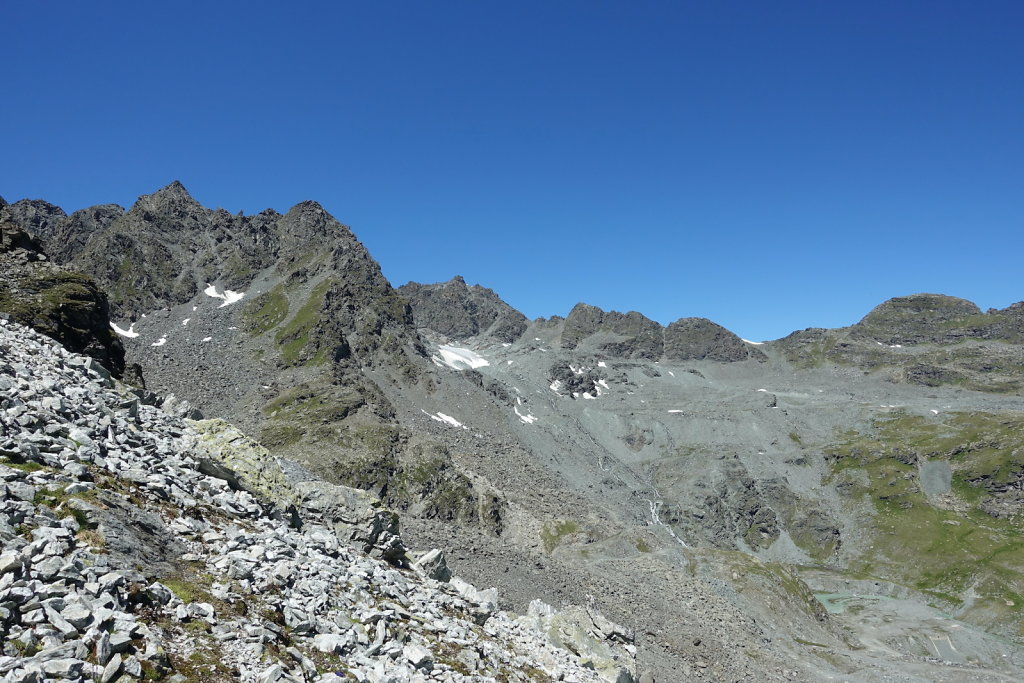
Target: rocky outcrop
x,y
35,216
926,339
459,311
129,553
61,304
920,318
355,515
632,335
701,339
622,335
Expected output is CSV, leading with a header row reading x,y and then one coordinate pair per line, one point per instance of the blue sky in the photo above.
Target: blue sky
x,y
769,165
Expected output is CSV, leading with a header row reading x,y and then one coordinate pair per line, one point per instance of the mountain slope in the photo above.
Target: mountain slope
x,y
131,552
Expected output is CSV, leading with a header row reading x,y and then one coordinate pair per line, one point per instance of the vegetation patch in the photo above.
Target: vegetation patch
x,y
554,533
309,412
295,335
266,311
968,542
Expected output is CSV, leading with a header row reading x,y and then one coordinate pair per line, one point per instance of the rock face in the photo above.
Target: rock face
x,y
938,319
457,310
918,318
127,555
35,216
623,335
701,339
634,336
62,304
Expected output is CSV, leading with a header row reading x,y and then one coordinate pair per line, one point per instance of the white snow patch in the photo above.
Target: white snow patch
x,y
762,390
450,420
536,339
671,373
506,344
206,339
460,359
130,332
604,383
895,346
675,411
556,385
752,342
231,328
527,419
509,362
445,419
143,315
159,342
228,296
587,395
601,364
185,322
935,411
195,308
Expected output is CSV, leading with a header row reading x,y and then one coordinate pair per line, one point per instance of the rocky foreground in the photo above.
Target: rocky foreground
x,y
132,551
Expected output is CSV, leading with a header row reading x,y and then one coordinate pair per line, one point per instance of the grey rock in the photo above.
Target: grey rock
x,y
111,669
460,312
433,565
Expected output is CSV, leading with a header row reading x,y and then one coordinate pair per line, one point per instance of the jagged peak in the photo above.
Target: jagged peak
x,y
38,205
173,196
308,206
174,190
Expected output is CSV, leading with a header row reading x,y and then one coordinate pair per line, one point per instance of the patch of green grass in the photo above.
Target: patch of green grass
x,y
943,549
190,587
642,545
278,435
266,311
27,466
294,336
311,412
553,533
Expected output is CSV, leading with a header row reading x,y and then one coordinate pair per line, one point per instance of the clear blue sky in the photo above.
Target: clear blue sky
x,y
769,165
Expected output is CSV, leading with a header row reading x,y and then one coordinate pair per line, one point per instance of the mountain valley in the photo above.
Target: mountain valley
x,y
839,504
